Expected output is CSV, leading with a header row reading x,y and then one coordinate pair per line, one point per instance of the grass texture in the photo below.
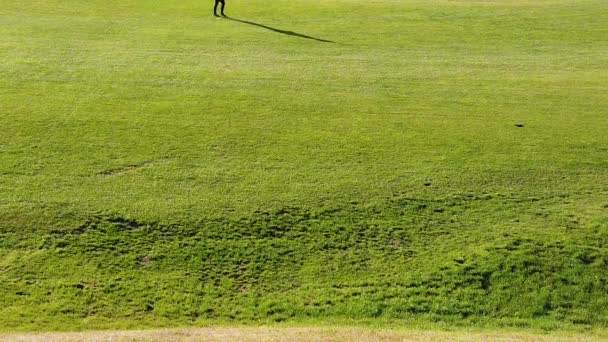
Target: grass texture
x,y
367,162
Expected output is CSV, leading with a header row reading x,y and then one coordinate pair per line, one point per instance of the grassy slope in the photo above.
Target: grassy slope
x,y
161,166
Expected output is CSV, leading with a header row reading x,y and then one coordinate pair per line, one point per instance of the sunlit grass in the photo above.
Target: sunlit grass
x,y
432,161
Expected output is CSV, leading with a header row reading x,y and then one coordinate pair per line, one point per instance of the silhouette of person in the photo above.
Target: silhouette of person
x,y
223,2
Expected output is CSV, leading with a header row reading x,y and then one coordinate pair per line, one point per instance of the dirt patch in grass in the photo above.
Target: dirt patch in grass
x,y
132,167
282,334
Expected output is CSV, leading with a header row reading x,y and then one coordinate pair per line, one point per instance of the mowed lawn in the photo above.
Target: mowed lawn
x,y
421,163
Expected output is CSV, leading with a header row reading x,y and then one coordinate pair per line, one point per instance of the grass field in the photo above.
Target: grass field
x,y
406,163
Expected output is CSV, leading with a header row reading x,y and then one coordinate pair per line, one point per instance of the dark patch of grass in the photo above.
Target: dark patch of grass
x,y
389,261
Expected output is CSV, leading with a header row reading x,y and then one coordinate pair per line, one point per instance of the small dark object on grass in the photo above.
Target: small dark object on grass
x,y
519,125
460,260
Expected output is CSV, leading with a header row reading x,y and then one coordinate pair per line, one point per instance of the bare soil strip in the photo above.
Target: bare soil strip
x,y
284,334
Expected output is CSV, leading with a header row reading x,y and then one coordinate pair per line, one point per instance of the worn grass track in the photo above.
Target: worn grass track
x,y
421,163
289,334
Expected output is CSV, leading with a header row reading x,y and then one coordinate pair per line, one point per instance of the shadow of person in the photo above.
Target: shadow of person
x,y
289,33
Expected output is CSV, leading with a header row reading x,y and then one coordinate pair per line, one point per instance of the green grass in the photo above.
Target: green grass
x,y
162,167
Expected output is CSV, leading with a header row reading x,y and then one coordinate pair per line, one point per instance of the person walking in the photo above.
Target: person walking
x,y
217,2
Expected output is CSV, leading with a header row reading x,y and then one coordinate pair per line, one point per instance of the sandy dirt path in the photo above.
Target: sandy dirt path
x,y
284,334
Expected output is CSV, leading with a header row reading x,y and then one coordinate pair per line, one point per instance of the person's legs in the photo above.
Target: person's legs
x,y
223,2
215,7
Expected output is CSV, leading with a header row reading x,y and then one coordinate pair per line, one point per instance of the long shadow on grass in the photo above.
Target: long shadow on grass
x,y
289,33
